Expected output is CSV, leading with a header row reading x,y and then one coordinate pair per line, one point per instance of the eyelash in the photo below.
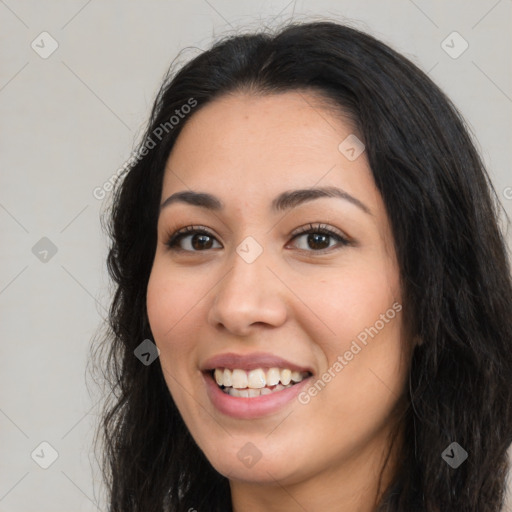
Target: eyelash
x,y
177,236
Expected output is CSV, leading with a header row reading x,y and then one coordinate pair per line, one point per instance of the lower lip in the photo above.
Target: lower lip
x,y
250,408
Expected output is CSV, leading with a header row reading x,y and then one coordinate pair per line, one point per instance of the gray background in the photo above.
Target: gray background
x,y
70,120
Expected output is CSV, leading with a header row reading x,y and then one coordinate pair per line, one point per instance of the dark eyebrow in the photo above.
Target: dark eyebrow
x,y
283,201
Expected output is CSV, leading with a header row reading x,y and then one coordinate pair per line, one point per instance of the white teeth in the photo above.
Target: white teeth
x,y
257,379
251,393
273,376
239,379
296,376
286,376
226,378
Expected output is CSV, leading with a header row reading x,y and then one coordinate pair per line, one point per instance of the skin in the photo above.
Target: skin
x,y
295,300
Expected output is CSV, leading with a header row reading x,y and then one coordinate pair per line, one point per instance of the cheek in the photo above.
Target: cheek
x,y
172,303
370,340
347,301
170,307
361,314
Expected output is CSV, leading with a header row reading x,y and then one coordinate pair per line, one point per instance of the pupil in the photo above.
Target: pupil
x,y
200,244
316,238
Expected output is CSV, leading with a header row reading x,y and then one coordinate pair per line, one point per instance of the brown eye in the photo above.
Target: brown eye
x,y
196,240
318,241
319,238
200,241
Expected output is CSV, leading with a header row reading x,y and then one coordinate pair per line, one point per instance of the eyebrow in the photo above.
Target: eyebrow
x,y
284,201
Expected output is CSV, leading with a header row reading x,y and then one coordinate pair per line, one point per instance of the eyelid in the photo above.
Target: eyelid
x,y
318,227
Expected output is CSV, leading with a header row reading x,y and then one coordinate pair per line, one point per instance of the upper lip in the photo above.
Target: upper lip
x,y
251,362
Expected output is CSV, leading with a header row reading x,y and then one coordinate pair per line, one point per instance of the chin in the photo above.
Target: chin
x,y
263,472
257,461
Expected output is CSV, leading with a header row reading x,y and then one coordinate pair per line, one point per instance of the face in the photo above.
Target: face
x,y
305,287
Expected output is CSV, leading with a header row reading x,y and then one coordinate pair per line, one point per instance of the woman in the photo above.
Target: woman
x,y
309,237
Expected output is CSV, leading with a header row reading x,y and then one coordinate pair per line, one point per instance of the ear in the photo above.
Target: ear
x,y
417,340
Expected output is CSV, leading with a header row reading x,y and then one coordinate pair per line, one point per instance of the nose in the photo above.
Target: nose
x,y
250,296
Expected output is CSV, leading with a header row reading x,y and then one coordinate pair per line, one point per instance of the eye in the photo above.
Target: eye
x,y
318,237
197,238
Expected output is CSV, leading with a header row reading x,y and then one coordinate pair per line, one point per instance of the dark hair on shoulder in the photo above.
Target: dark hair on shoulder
x,y
454,267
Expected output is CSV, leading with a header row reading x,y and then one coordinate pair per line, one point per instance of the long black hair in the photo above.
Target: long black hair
x,y
454,268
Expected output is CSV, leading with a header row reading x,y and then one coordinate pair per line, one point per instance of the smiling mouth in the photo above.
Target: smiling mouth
x,y
258,382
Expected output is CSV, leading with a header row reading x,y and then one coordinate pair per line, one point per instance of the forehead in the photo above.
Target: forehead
x,y
279,140
246,150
